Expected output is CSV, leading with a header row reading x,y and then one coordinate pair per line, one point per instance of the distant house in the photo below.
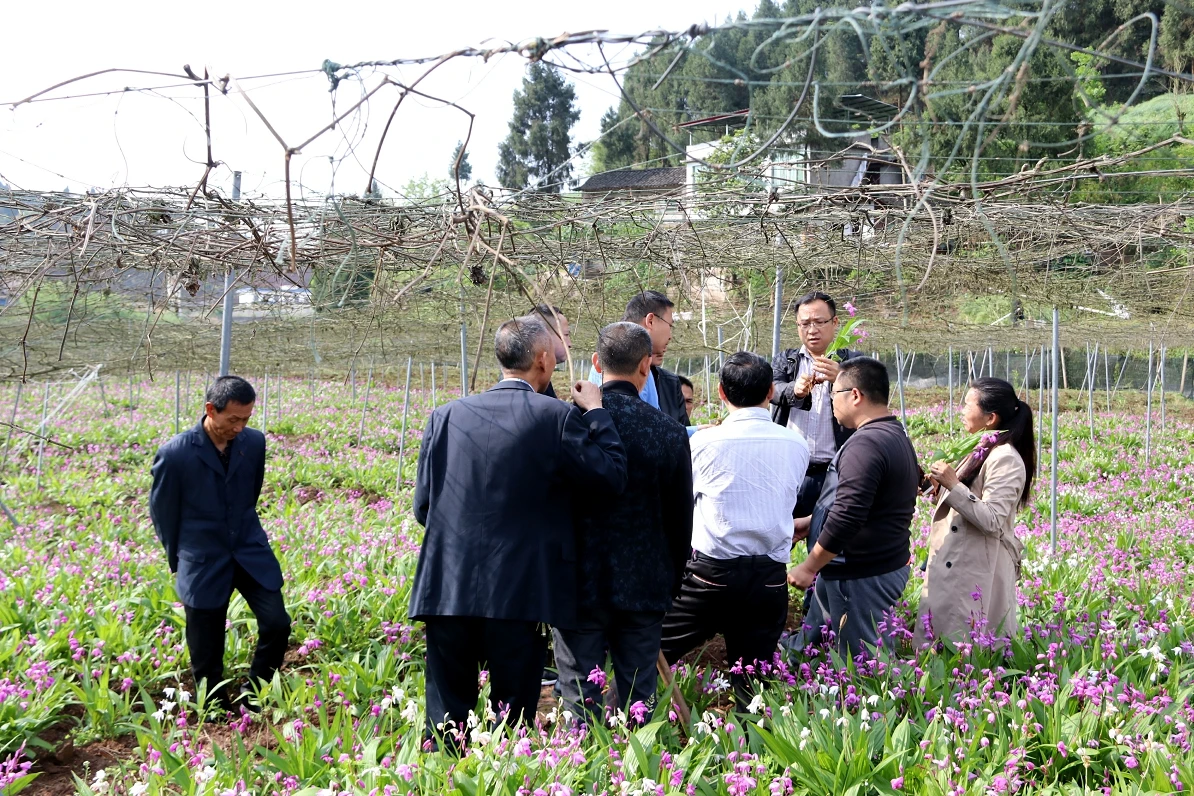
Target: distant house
x,y
634,183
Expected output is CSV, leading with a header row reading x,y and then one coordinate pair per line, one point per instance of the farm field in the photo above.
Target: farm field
x,y
95,697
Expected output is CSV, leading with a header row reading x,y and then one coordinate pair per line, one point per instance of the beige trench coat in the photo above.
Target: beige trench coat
x,y
974,555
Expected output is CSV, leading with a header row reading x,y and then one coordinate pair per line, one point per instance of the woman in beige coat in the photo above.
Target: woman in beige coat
x,y
974,556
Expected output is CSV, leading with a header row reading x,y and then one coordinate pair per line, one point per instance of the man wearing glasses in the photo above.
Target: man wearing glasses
x,y
803,400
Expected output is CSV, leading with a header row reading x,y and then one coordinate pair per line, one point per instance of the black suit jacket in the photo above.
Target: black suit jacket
x,y
207,519
671,398
785,368
498,476
633,549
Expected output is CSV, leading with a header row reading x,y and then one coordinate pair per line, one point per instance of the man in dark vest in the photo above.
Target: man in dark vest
x,y
499,474
203,504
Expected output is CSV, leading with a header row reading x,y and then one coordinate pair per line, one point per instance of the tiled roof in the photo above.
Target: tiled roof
x,y
636,179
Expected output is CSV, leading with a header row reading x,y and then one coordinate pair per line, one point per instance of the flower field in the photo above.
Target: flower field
x,y
1094,695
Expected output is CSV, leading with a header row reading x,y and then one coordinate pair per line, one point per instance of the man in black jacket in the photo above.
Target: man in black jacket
x,y
803,400
498,476
862,521
654,312
632,550
203,504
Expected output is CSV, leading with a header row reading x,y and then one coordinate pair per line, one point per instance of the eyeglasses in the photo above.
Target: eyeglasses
x,y
813,322
671,324
847,389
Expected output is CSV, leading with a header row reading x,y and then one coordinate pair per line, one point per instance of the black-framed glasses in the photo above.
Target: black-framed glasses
x,y
846,389
814,322
671,324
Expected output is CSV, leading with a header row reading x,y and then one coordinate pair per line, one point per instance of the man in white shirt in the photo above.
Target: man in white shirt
x,y
746,474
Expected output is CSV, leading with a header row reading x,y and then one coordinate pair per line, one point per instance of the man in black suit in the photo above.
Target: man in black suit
x,y
203,504
632,550
497,478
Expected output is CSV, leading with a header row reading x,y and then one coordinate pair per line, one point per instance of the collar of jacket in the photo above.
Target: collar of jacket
x,y
620,386
199,434
512,384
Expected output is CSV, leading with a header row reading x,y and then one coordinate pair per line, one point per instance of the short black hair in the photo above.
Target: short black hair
x,y
746,379
816,295
621,347
685,382
230,388
868,376
544,311
649,302
517,340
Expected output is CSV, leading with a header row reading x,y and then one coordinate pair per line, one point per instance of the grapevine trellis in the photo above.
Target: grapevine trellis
x,y
136,277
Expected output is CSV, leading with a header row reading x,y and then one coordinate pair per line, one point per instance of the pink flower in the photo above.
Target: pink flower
x,y
851,310
1062,749
977,595
638,712
597,676
897,783
1131,762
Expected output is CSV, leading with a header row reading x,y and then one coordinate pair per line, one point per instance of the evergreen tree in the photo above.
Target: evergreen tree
x,y
466,168
538,148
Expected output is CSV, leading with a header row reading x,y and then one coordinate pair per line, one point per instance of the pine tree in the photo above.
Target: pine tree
x,y
466,168
538,148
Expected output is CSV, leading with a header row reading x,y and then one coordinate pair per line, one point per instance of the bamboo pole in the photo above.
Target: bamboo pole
x,y
405,409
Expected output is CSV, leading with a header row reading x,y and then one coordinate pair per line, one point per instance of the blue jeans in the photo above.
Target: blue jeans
x,y
853,608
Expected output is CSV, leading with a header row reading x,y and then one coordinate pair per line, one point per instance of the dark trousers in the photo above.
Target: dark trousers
x,y
206,629
853,609
632,638
810,490
458,647
744,599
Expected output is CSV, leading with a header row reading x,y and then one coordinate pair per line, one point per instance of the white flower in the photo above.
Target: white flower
x,y
842,721
479,737
138,788
824,714
805,732
411,711
756,704
160,715
872,700
184,696
169,692
208,772
101,784
167,706
785,709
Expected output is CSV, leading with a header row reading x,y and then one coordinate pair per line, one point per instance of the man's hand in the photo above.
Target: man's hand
x,y
800,528
826,369
586,395
802,387
801,576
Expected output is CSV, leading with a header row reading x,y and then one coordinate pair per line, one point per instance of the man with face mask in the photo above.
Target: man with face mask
x,y
203,504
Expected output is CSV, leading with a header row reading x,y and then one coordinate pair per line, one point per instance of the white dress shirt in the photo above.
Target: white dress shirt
x,y
815,424
745,476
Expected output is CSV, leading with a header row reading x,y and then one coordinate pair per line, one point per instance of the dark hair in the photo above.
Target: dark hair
x,y
746,378
686,382
517,340
816,295
997,397
230,388
621,347
545,311
649,302
868,376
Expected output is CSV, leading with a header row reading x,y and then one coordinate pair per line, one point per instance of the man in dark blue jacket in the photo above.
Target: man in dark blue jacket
x,y
632,550
203,504
499,473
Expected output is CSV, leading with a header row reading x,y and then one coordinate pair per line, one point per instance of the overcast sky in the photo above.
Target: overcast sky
x,y
156,138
